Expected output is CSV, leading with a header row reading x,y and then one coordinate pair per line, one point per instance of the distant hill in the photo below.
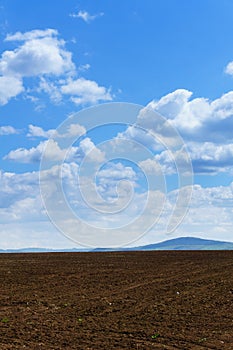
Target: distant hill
x,y
188,243
182,243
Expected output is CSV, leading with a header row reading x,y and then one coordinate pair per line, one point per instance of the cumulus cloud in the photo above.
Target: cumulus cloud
x,y
50,88
171,104
8,130
33,34
34,154
210,213
85,16
37,131
87,147
204,125
72,130
200,126
9,87
20,202
229,68
141,136
42,54
207,158
51,150
211,158
16,187
199,117
86,91
150,166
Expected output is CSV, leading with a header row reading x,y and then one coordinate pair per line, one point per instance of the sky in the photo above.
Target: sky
x,y
116,121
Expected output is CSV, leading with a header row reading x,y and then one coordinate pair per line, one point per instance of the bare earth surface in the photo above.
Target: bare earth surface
x,y
120,300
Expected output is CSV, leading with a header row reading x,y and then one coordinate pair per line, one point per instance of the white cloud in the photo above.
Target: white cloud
x,y
222,108
41,53
16,187
9,87
229,68
211,158
85,16
207,158
73,130
212,152
150,167
86,91
88,148
51,88
184,114
8,130
210,216
37,131
141,136
33,34
19,209
210,211
84,67
34,154
24,222
199,117
206,127
51,151
171,104
117,172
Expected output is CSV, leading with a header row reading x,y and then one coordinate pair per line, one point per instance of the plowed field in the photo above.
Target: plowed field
x,y
118,300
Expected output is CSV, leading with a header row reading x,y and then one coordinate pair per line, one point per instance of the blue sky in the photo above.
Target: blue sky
x,y
172,57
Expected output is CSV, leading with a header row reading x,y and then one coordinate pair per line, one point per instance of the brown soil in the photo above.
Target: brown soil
x,y
121,300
